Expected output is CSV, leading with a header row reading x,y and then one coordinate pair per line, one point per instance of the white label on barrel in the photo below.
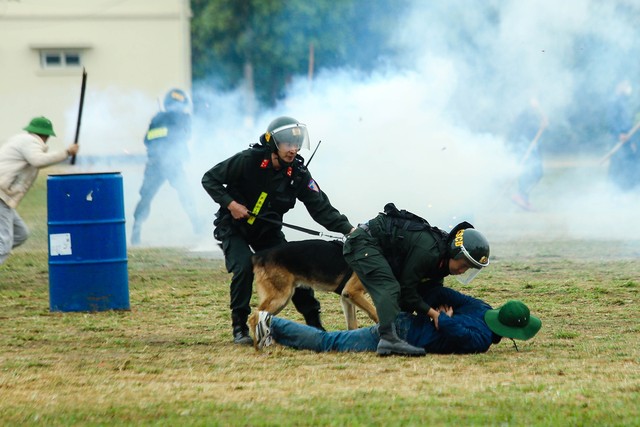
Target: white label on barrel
x,y
60,244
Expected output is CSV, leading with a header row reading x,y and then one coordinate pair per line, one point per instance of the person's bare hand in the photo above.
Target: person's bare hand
x,y
446,309
73,149
238,211
433,314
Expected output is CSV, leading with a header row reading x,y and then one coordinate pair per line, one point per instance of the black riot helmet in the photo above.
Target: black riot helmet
x,y
176,100
470,244
285,132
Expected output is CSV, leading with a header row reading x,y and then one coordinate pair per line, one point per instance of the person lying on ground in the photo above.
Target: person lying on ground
x,y
466,325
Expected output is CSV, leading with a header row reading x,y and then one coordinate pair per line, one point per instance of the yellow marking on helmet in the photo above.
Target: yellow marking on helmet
x,y
156,133
257,207
458,241
177,95
267,136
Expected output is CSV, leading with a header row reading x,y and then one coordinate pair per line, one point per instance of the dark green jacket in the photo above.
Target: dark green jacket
x,y
246,175
418,259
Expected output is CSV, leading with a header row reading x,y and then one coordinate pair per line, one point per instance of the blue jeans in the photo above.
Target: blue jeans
x,y
303,337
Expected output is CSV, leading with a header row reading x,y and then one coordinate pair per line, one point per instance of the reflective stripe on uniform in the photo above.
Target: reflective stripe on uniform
x,y
156,133
257,207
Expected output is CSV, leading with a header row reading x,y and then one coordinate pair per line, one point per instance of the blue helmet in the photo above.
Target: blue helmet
x,y
176,100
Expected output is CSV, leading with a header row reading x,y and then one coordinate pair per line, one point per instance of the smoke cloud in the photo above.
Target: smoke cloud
x,y
426,130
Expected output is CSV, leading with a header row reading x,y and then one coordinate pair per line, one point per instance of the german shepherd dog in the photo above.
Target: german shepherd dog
x,y
316,264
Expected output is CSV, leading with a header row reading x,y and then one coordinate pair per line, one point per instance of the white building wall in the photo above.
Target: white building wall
x,y
133,52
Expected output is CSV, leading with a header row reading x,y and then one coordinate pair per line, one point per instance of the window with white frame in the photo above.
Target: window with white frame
x,y
60,58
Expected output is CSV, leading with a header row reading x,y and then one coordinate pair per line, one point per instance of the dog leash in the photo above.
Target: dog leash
x,y
295,227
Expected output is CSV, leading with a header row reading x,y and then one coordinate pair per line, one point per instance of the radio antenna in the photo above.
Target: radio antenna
x,y
314,153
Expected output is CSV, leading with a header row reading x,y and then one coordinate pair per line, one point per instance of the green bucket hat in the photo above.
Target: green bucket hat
x,y
513,320
41,126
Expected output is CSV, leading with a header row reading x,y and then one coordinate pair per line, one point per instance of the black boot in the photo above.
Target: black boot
x,y
390,343
313,319
240,330
241,336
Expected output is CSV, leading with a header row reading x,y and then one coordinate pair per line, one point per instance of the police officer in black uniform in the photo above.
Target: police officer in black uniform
x,y
167,150
399,256
254,189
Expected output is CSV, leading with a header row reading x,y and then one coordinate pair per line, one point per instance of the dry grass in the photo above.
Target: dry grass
x,y
170,361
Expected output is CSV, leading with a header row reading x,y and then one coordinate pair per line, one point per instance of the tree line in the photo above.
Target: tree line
x,y
263,44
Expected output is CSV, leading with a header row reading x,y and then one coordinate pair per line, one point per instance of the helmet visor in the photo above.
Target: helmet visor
x,y
289,137
466,277
475,266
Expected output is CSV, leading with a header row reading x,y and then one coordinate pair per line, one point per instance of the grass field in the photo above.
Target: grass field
x,y
170,361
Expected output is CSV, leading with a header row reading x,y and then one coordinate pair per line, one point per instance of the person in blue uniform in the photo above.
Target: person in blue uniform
x,y
624,166
523,139
167,151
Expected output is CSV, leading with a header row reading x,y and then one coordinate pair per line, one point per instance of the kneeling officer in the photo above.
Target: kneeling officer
x,y
399,256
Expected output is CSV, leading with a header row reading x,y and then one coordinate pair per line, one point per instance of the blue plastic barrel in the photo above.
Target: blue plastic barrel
x,y
87,243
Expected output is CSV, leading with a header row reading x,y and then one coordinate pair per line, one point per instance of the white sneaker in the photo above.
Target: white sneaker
x,y
263,330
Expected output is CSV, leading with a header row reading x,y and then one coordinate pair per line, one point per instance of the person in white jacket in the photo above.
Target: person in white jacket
x,y
21,157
